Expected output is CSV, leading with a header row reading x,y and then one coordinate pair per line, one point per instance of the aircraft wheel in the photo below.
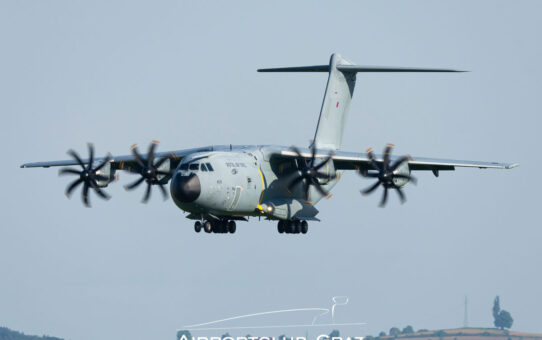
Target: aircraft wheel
x,y
280,226
304,227
223,226
232,227
297,226
289,227
197,226
207,226
215,227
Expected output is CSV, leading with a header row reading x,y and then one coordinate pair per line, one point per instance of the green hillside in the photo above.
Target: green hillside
x,y
8,334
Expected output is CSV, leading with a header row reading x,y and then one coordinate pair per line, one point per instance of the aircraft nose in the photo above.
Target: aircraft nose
x,y
185,189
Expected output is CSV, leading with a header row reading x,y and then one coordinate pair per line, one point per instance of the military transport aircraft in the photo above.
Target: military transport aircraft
x,y
218,185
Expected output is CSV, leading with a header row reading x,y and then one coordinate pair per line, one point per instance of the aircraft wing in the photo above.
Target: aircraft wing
x,y
358,161
125,162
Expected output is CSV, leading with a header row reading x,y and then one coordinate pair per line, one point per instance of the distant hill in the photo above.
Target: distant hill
x,y
465,334
8,334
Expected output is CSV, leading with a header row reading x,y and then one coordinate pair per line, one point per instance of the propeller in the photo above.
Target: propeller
x,y
87,176
309,173
149,171
386,174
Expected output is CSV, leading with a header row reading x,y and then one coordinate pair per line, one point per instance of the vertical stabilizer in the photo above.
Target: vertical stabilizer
x,y
338,95
334,111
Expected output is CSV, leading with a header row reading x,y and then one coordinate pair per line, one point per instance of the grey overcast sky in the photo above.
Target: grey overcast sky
x,y
184,72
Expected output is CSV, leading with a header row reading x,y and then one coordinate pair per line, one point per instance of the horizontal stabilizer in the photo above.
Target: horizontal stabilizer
x,y
355,68
315,68
358,68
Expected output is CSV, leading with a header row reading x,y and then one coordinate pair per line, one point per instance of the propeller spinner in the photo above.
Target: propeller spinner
x,y
309,173
149,171
87,176
385,174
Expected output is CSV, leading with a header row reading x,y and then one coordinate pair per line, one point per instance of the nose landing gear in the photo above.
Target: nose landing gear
x,y
292,227
217,227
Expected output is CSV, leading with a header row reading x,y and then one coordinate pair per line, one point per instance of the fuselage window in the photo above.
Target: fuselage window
x,y
210,167
203,167
194,166
184,166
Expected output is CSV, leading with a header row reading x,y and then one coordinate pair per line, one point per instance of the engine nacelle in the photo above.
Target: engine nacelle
x,y
166,167
403,169
108,172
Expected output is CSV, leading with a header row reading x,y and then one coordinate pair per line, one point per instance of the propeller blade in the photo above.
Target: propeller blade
x,y
294,182
104,162
150,154
306,189
384,198
165,173
147,193
91,156
296,150
372,161
77,158
401,195
164,192
369,174
85,195
319,187
370,189
65,171
161,161
313,154
398,162
387,153
99,191
134,184
72,186
138,158
323,163
299,156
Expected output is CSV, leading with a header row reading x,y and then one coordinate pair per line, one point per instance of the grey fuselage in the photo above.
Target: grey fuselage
x,y
245,181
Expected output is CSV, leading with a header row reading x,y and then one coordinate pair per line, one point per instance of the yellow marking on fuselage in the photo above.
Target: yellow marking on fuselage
x,y
263,189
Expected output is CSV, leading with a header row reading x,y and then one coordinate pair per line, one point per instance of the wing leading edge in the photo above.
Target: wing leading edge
x,y
119,162
357,161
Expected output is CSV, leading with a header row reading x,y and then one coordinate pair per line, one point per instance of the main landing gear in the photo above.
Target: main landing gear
x,y
292,227
217,227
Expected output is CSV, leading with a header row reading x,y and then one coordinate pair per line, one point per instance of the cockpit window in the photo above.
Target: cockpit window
x,y
209,166
184,166
193,166
203,167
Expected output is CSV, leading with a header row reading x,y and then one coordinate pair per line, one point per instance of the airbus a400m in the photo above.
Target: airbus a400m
x,y
219,185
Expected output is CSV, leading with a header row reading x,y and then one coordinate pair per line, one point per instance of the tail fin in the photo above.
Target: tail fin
x,y
338,94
